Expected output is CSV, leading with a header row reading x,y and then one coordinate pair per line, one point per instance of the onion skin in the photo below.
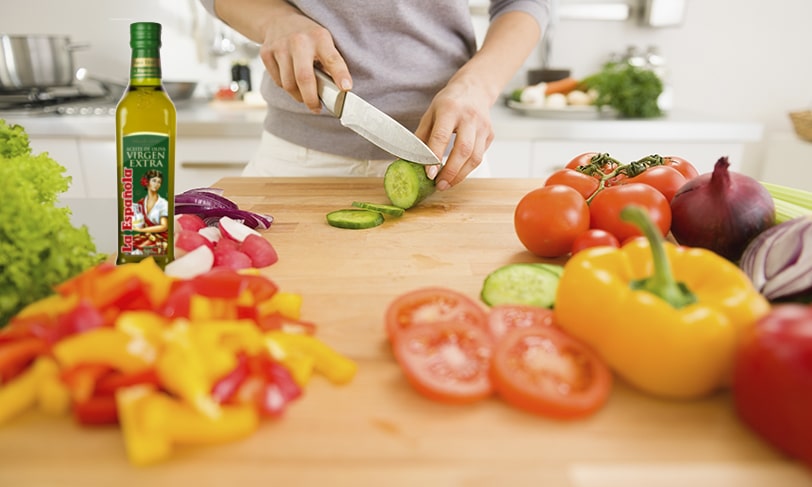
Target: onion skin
x,y
721,211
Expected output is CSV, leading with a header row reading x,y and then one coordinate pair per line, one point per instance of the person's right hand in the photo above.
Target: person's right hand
x,y
291,47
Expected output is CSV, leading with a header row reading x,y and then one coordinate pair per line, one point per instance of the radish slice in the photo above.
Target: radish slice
x,y
211,233
194,263
235,230
260,251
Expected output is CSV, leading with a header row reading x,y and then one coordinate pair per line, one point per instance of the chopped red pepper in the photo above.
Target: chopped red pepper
x,y
16,356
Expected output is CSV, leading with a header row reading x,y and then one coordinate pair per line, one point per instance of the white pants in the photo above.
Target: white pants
x,y
277,157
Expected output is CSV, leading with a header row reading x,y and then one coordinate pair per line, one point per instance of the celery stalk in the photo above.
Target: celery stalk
x,y
790,202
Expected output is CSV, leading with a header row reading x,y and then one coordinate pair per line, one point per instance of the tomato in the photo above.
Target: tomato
x,y
594,237
548,219
772,379
504,317
683,166
584,159
605,209
545,371
446,361
665,179
584,184
431,305
587,158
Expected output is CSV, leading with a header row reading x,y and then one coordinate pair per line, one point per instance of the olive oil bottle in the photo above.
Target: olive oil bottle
x,y
145,146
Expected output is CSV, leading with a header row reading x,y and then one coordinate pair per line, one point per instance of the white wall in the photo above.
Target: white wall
x,y
739,59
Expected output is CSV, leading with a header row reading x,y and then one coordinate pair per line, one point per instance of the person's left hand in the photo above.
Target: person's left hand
x,y
459,112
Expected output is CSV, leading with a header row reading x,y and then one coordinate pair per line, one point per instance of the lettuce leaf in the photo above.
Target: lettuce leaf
x,y
39,247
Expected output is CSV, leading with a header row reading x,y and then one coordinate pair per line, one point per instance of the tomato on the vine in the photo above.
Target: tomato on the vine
x,y
665,179
682,165
548,219
545,371
581,160
583,183
604,210
594,237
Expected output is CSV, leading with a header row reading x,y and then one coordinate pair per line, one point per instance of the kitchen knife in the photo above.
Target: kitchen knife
x,y
377,127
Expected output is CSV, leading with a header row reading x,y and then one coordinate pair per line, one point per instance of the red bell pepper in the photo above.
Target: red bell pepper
x,y
16,356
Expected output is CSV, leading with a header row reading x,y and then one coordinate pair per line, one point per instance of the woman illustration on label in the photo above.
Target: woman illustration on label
x,y
152,237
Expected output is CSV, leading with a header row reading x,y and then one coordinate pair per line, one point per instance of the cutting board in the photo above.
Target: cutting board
x,y
377,430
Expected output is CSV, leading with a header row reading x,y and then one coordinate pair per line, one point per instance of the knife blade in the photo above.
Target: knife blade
x,y
374,125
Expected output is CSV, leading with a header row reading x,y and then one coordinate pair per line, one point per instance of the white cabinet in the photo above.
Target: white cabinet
x,y
788,161
65,151
200,161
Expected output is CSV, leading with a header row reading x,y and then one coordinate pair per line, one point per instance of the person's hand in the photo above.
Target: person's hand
x,y
460,111
290,49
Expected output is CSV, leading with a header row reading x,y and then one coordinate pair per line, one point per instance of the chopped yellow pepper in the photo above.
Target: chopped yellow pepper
x,y
328,362
38,384
109,346
672,335
152,422
288,304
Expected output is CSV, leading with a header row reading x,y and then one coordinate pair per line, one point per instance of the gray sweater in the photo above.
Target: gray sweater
x,y
400,54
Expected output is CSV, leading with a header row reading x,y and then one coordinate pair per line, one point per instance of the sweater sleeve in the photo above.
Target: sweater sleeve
x,y
538,9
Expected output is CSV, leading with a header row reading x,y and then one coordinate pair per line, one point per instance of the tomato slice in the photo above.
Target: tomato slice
x,y
446,361
432,305
544,371
504,317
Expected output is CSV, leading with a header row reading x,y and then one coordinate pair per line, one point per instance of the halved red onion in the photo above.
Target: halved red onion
x,y
210,205
779,260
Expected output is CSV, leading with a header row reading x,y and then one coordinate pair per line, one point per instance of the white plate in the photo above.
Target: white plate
x,y
589,112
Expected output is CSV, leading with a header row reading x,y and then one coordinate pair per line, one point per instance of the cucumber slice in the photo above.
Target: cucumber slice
x,y
406,183
385,209
529,284
354,218
554,268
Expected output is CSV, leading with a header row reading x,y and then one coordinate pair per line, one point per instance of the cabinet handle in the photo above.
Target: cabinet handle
x,y
212,165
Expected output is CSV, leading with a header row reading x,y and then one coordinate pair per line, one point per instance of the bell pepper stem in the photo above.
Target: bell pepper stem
x,y
661,283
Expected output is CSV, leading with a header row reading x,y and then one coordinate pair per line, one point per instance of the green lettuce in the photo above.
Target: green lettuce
x,y
39,247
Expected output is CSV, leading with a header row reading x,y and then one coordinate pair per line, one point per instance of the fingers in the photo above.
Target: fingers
x,y
469,134
289,60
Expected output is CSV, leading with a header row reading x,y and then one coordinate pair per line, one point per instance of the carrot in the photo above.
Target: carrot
x,y
563,86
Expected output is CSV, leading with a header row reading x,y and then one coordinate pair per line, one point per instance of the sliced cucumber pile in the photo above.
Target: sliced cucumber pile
x,y
522,283
355,218
406,183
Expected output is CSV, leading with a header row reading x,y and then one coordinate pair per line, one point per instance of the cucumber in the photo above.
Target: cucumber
x,y
406,183
529,284
354,218
385,209
554,268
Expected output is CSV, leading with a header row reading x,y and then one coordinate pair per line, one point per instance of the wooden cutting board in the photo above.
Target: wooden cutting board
x,y
376,430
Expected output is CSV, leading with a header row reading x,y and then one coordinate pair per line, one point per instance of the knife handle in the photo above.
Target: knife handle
x,y
330,95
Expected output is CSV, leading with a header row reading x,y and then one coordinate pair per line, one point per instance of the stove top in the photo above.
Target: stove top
x,y
67,100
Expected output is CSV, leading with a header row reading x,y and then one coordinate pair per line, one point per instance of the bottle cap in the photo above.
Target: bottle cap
x,y
145,35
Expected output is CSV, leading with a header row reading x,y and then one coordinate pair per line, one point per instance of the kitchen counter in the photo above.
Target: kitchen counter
x,y
225,119
377,430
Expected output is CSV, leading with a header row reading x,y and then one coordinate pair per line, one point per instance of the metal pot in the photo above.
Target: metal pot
x,y
36,61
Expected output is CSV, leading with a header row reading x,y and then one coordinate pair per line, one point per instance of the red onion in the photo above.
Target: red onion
x,y
721,211
210,205
779,260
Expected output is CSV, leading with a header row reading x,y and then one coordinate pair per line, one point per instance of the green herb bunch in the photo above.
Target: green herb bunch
x,y
631,90
39,247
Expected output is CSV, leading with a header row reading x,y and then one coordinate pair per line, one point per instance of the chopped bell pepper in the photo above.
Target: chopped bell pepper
x,y
153,422
665,318
35,384
328,362
17,355
108,346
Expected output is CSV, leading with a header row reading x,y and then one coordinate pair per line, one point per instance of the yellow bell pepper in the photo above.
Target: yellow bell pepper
x,y
38,384
109,346
665,318
328,362
153,422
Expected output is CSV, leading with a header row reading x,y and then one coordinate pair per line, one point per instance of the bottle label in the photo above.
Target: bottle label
x,y
145,68
145,218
